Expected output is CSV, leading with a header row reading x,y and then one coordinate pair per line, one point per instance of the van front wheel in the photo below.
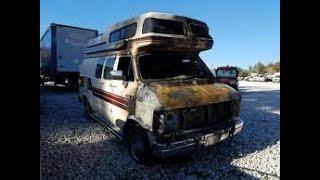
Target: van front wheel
x,y
139,147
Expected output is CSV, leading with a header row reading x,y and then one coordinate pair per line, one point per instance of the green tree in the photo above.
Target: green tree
x,y
251,69
260,68
243,72
270,68
276,66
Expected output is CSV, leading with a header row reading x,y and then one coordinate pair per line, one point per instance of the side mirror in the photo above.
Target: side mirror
x,y
116,75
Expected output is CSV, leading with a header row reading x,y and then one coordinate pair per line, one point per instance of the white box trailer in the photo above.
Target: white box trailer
x,y
62,50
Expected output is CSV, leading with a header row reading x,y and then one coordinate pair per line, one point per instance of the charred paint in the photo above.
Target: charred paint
x,y
177,96
161,43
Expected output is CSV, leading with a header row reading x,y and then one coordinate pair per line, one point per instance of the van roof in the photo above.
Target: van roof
x,y
158,14
101,42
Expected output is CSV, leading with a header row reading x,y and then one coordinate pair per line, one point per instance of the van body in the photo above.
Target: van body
x,y
62,51
143,79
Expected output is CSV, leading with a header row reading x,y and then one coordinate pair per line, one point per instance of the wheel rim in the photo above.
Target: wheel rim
x,y
137,147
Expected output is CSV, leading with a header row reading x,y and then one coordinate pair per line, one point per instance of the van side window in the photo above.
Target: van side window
x,y
123,33
99,67
89,85
99,71
108,67
125,66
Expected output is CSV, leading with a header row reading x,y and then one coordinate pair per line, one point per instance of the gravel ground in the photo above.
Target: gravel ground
x,y
73,148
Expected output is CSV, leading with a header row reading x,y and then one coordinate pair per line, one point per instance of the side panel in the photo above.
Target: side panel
x,y
122,90
71,43
97,83
111,99
47,60
87,72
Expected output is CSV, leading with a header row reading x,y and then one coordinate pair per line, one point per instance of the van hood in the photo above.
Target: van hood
x,y
191,95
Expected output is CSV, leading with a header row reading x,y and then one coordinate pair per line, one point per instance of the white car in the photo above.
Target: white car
x,y
259,78
276,79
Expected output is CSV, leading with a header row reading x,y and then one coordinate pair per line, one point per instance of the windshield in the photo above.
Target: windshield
x,y
172,66
226,73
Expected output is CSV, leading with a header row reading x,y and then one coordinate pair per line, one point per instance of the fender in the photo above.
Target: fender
x,y
139,121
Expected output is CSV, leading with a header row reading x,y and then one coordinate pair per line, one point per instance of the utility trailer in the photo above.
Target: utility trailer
x,y
61,52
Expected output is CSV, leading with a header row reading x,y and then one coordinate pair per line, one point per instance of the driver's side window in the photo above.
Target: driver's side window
x,y
108,67
126,67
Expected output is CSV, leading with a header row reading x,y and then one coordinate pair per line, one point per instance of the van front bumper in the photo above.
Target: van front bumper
x,y
168,149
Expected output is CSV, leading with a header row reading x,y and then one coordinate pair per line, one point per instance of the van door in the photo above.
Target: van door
x,y
119,110
96,84
106,90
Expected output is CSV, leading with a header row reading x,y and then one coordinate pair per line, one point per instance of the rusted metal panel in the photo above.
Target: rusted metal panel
x,y
162,43
177,96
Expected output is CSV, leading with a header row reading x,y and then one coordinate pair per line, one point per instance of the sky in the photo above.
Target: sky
x,y
244,32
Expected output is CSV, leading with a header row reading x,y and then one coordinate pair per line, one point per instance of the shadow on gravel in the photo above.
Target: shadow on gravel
x,y
60,89
109,159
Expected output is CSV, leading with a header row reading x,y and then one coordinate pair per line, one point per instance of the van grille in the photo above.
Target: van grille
x,y
211,116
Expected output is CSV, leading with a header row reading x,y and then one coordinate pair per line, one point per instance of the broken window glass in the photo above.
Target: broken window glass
x,y
172,66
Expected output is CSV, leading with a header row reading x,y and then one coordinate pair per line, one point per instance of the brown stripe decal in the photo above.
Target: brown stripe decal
x,y
116,100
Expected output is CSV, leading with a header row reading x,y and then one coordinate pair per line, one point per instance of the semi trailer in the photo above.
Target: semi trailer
x,y
61,52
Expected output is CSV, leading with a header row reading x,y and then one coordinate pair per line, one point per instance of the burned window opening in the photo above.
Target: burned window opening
x,y
199,30
125,66
163,26
172,66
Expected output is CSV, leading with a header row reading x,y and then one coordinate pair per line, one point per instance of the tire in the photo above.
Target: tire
x,y
138,146
87,110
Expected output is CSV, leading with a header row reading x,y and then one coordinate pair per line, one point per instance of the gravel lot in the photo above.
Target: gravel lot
x,y
73,148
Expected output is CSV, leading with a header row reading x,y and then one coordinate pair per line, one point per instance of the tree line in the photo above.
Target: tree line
x,y
260,68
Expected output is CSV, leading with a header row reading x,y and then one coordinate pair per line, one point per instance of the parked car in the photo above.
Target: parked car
x,y
246,78
159,97
276,78
268,78
259,78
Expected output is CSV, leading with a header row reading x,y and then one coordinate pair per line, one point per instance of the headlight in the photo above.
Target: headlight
x,y
165,122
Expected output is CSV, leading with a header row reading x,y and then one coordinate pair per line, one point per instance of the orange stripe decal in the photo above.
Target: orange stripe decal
x,y
114,99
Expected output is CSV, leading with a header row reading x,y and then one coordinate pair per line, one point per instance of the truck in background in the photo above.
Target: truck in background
x,y
61,52
228,75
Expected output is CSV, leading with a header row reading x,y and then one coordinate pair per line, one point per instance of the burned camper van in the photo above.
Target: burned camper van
x,y
143,79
